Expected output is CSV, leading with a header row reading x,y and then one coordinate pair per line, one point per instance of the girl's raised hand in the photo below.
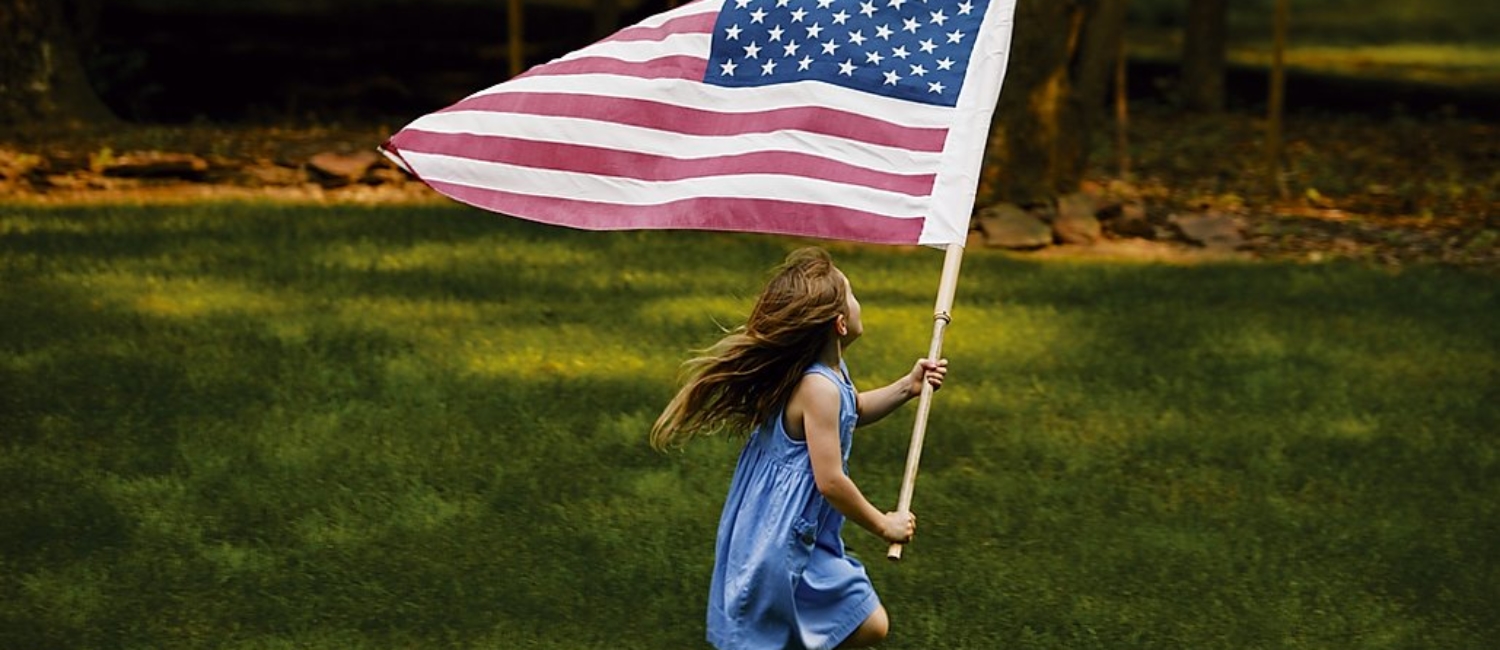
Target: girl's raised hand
x,y
929,371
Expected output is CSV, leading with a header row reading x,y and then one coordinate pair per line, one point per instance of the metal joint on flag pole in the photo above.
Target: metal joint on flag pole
x,y
943,316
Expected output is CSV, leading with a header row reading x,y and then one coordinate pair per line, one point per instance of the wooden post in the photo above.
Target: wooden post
x,y
947,287
1275,119
1122,111
517,39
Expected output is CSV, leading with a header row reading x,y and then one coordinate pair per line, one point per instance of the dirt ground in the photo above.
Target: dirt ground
x,y
1386,192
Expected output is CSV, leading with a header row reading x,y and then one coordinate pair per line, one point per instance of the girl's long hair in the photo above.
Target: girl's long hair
x,y
749,374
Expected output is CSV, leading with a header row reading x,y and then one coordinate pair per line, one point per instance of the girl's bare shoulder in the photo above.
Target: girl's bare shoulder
x,y
814,394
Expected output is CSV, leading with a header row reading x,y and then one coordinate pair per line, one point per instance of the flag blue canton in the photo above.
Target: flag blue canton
x,y
916,50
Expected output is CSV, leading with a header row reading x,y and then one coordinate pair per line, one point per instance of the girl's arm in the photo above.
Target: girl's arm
x,y
817,399
879,402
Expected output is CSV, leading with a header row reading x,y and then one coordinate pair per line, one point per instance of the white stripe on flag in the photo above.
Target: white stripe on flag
x,y
547,183
735,100
638,51
650,141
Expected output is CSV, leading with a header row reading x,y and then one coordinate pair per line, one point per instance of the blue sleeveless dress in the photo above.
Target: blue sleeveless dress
x,y
781,576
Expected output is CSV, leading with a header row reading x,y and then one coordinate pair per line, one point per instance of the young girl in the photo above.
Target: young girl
x,y
781,577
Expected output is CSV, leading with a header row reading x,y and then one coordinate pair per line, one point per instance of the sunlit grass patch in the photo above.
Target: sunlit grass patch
x,y
695,312
538,258
182,298
1437,63
1395,58
572,352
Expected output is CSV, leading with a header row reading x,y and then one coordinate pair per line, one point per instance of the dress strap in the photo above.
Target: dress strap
x,y
839,376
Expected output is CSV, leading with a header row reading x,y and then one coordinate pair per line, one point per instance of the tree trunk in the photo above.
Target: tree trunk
x,y
1204,49
1275,110
1062,60
1122,113
515,28
43,80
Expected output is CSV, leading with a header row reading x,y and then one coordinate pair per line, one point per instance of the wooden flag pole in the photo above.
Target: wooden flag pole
x,y
941,316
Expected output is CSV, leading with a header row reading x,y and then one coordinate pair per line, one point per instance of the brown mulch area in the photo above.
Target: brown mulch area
x,y
1391,192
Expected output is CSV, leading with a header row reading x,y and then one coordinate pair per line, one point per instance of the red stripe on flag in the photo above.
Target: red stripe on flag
x,y
693,121
667,67
586,159
701,213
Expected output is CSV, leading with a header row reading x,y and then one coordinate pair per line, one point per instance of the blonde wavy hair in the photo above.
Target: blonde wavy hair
x,y
749,374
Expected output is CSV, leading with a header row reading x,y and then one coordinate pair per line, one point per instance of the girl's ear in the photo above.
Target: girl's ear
x,y
840,326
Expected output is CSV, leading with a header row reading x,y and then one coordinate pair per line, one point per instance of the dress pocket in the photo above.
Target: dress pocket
x,y
804,534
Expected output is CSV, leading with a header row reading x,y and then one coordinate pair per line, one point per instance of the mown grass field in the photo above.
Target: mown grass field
x,y
261,426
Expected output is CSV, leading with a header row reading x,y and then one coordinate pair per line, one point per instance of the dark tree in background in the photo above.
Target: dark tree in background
x,y
43,79
1204,51
1061,63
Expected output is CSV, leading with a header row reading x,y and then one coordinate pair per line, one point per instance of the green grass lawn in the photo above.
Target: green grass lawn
x,y
1440,43
260,426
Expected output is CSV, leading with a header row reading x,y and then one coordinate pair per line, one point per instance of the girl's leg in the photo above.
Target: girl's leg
x,y
872,631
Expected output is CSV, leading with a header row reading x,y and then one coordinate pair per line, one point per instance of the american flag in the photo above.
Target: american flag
x,y
858,120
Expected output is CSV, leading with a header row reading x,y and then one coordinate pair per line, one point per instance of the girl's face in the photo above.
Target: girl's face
x,y
853,326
